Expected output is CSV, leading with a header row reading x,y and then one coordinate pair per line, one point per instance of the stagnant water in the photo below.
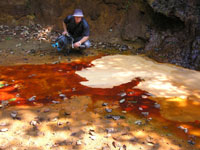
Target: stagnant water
x,y
136,84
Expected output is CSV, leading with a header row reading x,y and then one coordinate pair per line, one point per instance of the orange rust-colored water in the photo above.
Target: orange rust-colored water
x,y
46,82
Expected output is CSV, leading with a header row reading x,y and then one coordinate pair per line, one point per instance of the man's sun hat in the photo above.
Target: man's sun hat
x,y
78,13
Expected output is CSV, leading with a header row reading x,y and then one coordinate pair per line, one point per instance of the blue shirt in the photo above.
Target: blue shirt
x,y
77,30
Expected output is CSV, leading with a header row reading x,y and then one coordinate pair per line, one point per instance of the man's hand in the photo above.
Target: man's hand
x,y
77,44
65,33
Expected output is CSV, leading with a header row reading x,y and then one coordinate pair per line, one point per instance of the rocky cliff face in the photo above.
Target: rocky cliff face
x,y
168,31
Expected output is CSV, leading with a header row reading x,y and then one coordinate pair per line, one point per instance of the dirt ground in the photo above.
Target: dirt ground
x,y
76,122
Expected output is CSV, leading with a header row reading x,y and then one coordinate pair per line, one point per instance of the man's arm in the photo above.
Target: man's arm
x,y
65,29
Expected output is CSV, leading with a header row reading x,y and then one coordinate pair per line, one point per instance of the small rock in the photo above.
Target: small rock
x,y
145,113
191,142
122,101
4,103
14,114
144,96
55,102
124,112
33,123
140,108
59,123
18,45
93,137
185,129
46,110
156,105
56,62
4,130
110,130
123,94
108,110
105,104
32,99
3,124
62,95
116,117
138,122
78,142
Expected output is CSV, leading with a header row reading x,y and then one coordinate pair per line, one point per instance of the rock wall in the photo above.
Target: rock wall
x,y
168,31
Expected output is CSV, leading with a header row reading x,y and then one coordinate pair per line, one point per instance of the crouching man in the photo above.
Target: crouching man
x,y
77,27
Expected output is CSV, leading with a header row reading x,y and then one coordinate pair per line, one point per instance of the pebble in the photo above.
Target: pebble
x,y
116,117
185,129
122,101
4,130
78,142
62,95
191,142
13,114
123,94
156,105
46,110
32,99
140,108
108,110
3,124
145,113
144,96
33,123
110,130
138,122
4,103
93,137
55,102
105,104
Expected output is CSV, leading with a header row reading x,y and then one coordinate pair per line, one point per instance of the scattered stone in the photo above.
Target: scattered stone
x,y
108,110
62,95
78,142
184,129
110,130
32,99
156,105
14,114
93,137
145,113
55,102
59,123
4,103
122,94
4,130
116,117
140,108
18,45
138,122
55,119
3,124
33,123
46,110
122,101
105,104
144,96
56,62
124,112
191,142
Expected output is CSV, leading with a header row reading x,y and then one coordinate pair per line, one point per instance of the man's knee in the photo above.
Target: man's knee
x,y
87,44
